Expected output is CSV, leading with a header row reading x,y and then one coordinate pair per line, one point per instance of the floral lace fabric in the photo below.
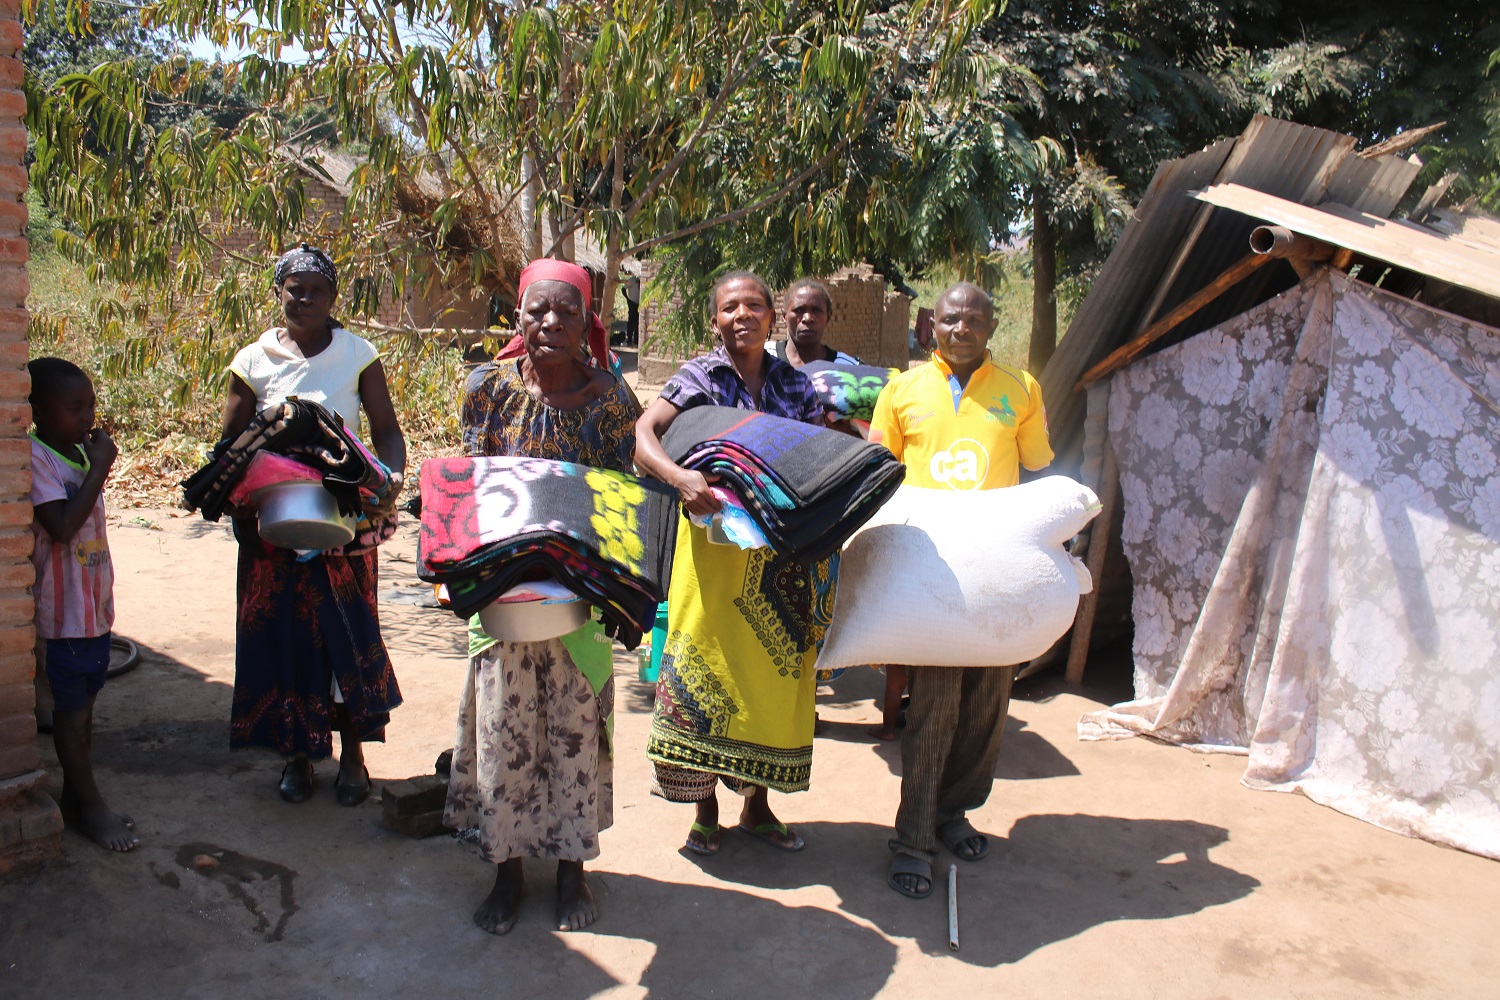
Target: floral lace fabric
x,y
1312,519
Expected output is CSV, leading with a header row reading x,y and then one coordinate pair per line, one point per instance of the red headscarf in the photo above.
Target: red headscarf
x,y
548,269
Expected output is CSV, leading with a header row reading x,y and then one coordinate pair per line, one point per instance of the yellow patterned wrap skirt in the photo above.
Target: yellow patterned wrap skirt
x,y
734,699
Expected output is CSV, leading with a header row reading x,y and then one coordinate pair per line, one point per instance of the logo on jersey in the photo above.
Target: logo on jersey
x,y
963,465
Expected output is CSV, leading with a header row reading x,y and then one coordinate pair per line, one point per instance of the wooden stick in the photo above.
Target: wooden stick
x,y
1088,606
953,907
1127,353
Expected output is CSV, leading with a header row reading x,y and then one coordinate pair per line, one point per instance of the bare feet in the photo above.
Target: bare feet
x,y
67,804
576,908
497,914
884,733
107,829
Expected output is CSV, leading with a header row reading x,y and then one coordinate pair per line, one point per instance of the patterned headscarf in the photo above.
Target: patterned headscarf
x,y
305,259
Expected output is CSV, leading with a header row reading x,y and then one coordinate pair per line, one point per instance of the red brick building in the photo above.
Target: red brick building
x,y
30,825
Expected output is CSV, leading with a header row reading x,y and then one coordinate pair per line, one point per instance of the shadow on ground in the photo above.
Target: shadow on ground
x,y
1036,887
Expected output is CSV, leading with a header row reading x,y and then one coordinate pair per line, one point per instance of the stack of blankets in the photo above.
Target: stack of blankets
x,y
847,392
312,444
489,524
809,488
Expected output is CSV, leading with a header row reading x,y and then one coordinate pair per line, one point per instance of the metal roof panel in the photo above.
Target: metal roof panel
x,y
1468,264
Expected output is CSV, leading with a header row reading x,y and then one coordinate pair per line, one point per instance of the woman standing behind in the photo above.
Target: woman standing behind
x,y
531,764
735,699
809,307
308,657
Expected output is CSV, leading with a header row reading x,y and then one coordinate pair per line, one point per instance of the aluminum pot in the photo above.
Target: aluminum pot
x,y
302,515
532,621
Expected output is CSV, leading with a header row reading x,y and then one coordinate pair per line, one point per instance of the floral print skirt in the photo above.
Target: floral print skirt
x,y
531,762
301,628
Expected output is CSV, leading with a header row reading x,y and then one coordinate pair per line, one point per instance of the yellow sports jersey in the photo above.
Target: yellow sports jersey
x,y
976,440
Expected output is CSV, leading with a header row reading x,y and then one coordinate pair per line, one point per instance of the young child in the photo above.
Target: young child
x,y
74,589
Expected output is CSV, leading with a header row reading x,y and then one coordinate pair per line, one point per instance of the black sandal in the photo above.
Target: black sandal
x,y
906,864
297,780
355,793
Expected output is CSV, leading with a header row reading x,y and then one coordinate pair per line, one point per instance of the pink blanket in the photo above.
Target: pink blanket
x,y
268,469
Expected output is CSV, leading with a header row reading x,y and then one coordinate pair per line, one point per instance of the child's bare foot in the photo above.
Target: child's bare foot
x,y
576,908
497,914
107,828
884,733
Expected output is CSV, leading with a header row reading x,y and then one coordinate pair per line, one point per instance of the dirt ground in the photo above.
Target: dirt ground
x,y
1120,870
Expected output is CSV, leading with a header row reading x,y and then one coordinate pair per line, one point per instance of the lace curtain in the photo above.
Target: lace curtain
x,y
1312,519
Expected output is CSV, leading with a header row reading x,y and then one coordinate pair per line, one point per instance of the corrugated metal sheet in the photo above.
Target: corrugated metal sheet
x,y
1120,291
1471,227
1405,244
1374,184
1161,266
1286,159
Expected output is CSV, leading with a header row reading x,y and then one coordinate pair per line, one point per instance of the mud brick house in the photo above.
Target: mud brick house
x,y
326,188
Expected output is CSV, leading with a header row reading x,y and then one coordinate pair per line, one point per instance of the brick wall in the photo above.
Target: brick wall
x,y
895,331
868,321
30,825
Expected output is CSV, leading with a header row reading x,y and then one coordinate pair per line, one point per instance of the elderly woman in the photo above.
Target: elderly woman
x,y
308,657
531,765
734,701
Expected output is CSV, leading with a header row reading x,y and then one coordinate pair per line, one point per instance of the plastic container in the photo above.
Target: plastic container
x,y
651,670
533,621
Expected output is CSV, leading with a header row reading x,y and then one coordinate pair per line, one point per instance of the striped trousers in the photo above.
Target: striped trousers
x,y
954,726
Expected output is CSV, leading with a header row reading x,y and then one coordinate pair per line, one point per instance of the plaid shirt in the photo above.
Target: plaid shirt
x,y
711,380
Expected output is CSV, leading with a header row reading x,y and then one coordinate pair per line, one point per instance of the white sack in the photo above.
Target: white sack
x,y
977,578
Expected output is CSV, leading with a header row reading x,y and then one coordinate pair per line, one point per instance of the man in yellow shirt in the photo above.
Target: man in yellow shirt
x,y
959,422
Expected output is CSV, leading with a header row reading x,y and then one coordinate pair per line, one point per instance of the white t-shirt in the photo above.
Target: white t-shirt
x,y
275,371
75,580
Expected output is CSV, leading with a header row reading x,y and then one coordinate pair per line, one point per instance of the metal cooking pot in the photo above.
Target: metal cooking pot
x,y
532,621
302,515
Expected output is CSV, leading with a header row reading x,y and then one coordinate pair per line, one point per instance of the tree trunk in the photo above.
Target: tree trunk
x,y
563,246
531,232
1044,281
612,241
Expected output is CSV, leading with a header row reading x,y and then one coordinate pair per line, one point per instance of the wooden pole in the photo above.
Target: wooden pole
x,y
1127,353
1099,532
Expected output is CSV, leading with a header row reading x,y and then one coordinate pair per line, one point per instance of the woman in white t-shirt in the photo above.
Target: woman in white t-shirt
x,y
309,658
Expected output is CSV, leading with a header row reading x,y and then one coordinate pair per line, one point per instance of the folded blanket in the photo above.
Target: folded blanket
x,y
298,429
491,523
807,487
847,392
